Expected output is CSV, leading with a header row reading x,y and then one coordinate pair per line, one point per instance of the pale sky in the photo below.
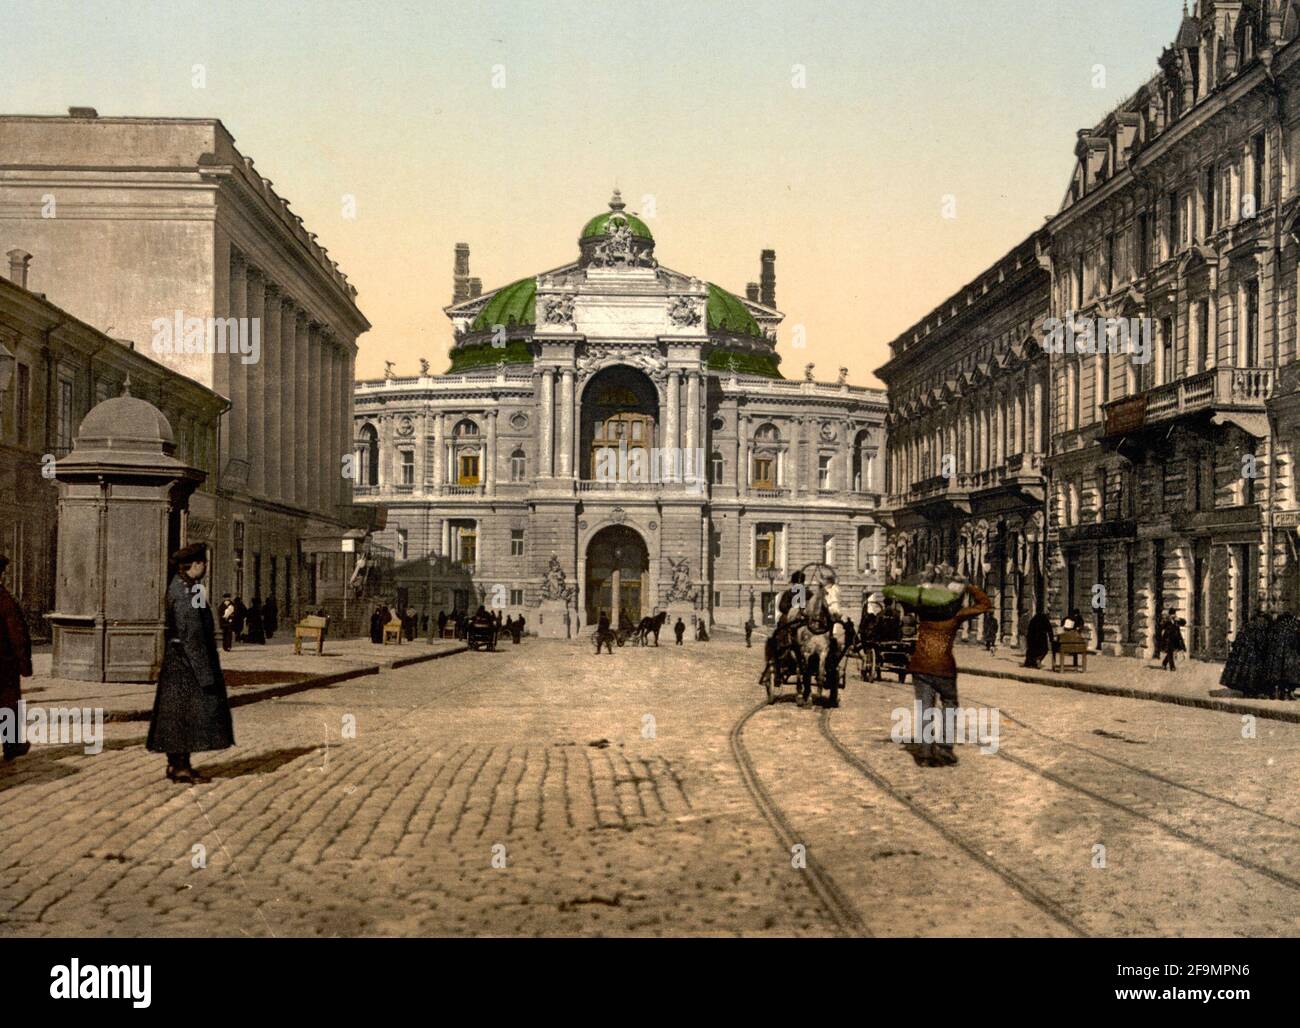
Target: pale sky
x,y
692,103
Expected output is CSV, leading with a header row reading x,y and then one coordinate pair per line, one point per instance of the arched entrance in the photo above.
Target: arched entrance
x,y
620,411
618,565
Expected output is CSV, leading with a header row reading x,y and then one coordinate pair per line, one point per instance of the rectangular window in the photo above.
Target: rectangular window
x,y
516,597
1143,243
1209,209
764,473
516,542
1168,372
65,416
1203,335
1110,262
716,467
518,466
1079,295
824,471
1258,176
828,550
22,402
1251,352
468,469
1173,231
767,546
464,540
408,467
401,544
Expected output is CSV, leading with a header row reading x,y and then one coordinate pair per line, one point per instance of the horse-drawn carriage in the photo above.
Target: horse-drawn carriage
x,y
800,659
481,633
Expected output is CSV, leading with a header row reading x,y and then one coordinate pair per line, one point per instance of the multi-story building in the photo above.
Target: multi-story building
x,y
159,230
968,434
627,425
1180,220
53,369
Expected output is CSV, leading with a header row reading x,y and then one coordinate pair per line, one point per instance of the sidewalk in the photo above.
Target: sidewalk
x,y
252,673
1194,684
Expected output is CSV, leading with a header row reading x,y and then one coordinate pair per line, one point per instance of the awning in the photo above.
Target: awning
x,y
1252,424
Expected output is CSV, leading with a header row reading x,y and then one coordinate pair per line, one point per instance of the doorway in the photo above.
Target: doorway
x,y
617,566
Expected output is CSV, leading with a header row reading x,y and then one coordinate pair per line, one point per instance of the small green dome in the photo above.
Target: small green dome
x,y
515,304
599,225
728,314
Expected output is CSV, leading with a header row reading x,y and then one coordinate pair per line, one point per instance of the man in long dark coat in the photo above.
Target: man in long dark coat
x,y
1038,639
377,620
15,662
270,617
190,710
256,626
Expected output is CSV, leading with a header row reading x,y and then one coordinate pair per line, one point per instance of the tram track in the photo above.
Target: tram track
x,y
828,893
1018,884
1189,838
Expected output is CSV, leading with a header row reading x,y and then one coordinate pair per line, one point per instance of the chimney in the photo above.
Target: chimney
x,y
18,262
751,291
767,289
475,288
460,278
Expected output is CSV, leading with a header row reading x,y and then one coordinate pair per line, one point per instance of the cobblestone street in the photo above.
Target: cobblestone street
x,y
544,790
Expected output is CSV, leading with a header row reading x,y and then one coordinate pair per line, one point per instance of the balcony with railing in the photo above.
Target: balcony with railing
x,y
1239,389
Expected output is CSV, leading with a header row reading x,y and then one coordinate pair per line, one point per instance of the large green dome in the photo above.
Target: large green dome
x,y
515,304
728,314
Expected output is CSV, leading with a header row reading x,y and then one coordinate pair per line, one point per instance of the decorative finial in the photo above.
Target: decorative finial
x,y
126,386
616,201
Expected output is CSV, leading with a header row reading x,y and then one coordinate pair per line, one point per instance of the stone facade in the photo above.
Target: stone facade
x,y
141,223
968,436
509,464
61,368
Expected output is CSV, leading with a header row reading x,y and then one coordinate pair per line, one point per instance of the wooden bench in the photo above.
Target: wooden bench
x,y
312,627
1070,644
393,632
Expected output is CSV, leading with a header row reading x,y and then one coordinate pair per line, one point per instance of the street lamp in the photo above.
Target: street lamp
x,y
771,582
7,363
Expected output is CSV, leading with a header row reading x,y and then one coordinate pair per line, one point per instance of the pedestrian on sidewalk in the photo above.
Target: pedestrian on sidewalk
x,y
1243,671
679,630
749,632
256,626
932,667
1039,638
240,620
15,663
1280,674
190,711
270,617
990,633
226,618
1172,642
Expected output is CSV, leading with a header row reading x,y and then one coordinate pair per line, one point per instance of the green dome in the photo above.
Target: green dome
x,y
515,304
728,314
599,225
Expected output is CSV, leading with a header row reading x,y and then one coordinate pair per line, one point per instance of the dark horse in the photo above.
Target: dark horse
x,y
650,625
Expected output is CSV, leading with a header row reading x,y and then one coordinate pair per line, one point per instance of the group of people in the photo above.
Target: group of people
x,y
255,622
605,635
458,619
1264,661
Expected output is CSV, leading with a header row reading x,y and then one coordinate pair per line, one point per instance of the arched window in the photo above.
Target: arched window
x,y
467,453
518,466
464,429
767,433
367,456
765,470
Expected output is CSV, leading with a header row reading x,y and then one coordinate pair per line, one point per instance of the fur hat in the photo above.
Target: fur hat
x,y
191,554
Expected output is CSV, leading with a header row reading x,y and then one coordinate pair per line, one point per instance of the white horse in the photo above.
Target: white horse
x,y
815,647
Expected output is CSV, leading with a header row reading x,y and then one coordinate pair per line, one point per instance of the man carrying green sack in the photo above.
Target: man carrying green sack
x,y
932,667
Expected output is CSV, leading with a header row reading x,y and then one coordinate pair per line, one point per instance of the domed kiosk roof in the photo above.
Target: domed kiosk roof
x,y
128,436
599,225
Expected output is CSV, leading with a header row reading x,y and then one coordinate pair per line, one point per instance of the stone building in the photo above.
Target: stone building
x,y
1173,455
627,426
159,230
968,435
53,369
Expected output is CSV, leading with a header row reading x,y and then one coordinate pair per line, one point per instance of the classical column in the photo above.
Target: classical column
x,y
1039,415
674,405
546,435
288,407
271,374
742,458
798,451
301,407
254,414
236,421
692,424
314,484
329,422
439,444
347,367
490,461
566,423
